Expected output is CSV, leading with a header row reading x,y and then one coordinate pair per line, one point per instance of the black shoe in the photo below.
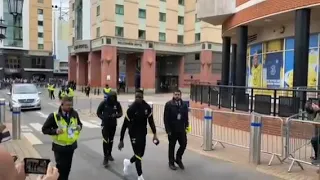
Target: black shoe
x,y
105,162
180,164
111,158
172,166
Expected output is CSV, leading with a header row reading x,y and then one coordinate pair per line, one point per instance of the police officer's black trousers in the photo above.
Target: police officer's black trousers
x,y
51,94
181,137
63,163
138,146
108,135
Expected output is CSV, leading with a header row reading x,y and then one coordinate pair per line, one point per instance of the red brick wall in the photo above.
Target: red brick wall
x,y
265,9
241,121
239,2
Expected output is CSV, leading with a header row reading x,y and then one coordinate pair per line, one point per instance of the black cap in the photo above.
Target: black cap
x,y
139,90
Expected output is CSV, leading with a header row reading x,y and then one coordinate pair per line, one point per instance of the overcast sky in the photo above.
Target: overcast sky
x,y
65,3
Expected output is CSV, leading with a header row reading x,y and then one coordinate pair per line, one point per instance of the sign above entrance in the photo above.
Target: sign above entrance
x,y
82,46
128,43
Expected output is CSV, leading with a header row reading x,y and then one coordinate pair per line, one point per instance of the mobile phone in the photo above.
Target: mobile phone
x,y
156,142
36,165
5,136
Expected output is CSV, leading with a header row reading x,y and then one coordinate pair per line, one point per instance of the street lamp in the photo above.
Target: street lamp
x,y
15,8
3,29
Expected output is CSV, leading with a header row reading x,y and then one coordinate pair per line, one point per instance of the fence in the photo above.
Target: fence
x,y
276,102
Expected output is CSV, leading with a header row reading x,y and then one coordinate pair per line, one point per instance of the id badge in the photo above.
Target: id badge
x,y
179,116
70,132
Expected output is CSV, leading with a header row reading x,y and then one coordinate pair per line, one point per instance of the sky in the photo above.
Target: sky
x,y
65,3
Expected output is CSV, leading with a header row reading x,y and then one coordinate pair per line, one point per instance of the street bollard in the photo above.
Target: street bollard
x,y
130,102
90,106
207,138
2,111
98,92
95,91
255,139
16,122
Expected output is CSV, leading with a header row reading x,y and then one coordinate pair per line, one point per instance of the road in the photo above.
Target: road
x,y
88,157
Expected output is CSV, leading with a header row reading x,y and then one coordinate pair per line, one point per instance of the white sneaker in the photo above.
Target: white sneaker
x,y
126,164
140,177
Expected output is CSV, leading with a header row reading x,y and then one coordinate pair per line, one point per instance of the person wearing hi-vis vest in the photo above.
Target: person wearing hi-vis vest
x,y
51,88
106,91
64,127
66,92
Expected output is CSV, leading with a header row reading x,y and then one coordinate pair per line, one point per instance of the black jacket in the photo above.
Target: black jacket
x,y
109,112
170,117
136,120
50,128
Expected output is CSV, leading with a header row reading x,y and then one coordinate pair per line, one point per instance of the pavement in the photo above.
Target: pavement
x,y
87,162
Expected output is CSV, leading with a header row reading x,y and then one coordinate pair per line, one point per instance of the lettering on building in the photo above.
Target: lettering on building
x,y
81,46
130,43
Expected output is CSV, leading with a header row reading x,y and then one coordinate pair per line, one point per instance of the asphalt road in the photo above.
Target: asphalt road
x,y
87,162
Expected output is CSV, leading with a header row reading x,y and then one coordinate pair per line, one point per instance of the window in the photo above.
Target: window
x,y
196,19
162,37
40,35
142,34
98,10
162,17
180,39
119,9
40,46
163,0
40,11
98,32
72,6
180,20
72,23
197,57
38,62
142,13
40,23
181,2
197,37
119,31
12,62
40,1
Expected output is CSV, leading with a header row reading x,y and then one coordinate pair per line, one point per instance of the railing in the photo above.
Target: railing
x,y
275,102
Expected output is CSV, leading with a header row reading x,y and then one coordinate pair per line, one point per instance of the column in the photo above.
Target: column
x,y
94,69
226,43
131,67
181,74
301,47
233,64
109,66
81,69
148,71
206,69
242,39
72,69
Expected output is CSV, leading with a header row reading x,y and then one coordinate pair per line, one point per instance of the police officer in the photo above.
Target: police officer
x,y
64,127
109,111
176,123
138,115
106,91
66,91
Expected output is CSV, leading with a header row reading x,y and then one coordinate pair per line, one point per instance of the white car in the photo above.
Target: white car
x,y
25,95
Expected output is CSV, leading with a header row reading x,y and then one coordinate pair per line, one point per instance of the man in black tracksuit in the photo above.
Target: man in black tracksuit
x,y
138,115
109,111
176,122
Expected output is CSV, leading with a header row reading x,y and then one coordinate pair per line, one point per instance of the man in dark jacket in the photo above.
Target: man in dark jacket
x,y
109,111
176,123
64,127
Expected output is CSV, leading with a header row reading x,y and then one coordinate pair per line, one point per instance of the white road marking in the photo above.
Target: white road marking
x,y
25,128
54,104
32,138
36,126
89,125
42,114
95,122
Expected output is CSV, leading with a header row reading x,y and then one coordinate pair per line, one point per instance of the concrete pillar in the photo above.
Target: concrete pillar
x,y
94,69
206,63
109,66
233,64
182,85
148,71
81,70
131,67
72,69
